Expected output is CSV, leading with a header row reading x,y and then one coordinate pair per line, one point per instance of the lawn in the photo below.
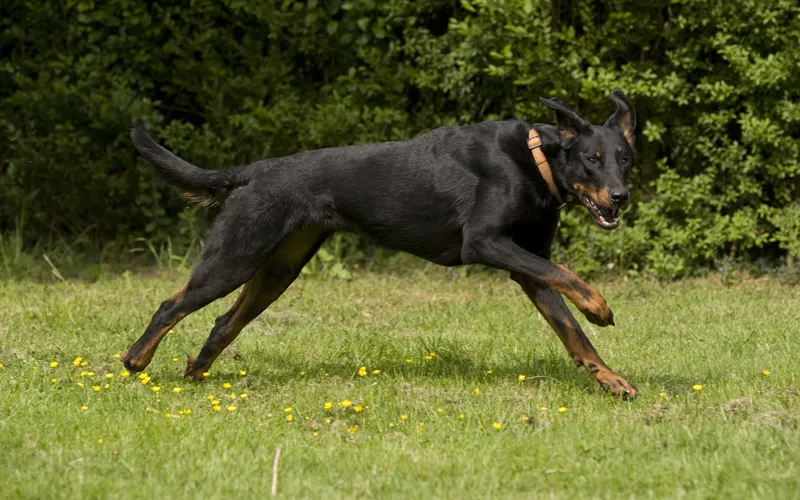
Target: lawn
x,y
448,415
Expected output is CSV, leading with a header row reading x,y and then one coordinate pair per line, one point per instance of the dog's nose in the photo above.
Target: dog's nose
x,y
619,196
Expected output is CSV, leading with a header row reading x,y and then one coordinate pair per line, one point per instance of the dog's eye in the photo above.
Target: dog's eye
x,y
591,159
623,161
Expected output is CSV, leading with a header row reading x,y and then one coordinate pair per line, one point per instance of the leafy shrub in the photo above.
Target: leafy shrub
x,y
228,82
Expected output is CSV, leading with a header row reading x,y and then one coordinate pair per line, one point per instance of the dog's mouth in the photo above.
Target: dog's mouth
x,y
603,217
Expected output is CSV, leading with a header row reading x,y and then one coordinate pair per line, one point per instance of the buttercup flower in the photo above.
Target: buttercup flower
x,y
357,408
362,372
176,389
346,403
109,375
289,417
409,361
106,386
489,372
124,373
315,433
562,410
766,373
404,417
99,441
376,372
243,396
460,415
77,361
54,380
439,410
96,388
429,357
697,387
231,408
497,425
328,405
53,364
662,394
206,374
226,385
242,373
215,402
520,377
477,390
288,410
433,354
84,408
216,407
543,409
84,362
116,356
210,397
155,388
80,385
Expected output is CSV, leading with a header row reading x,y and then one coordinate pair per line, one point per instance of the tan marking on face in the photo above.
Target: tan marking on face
x,y
597,155
599,196
619,150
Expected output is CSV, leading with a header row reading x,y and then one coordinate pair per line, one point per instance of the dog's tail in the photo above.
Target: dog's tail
x,y
207,187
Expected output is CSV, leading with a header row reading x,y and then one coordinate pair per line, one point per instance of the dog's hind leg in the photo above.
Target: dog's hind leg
x,y
550,303
269,283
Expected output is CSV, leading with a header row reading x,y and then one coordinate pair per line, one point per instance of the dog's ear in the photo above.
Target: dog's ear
x,y
624,118
570,125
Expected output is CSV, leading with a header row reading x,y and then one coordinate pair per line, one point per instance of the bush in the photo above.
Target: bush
x,y
228,82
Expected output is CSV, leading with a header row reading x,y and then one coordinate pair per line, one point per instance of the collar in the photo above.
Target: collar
x,y
535,145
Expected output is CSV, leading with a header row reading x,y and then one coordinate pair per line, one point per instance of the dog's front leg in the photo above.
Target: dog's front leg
x,y
555,311
502,253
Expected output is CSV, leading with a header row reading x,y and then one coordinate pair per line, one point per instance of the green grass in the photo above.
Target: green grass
x,y
737,437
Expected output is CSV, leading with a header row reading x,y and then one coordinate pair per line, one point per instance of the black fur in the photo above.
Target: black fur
x,y
456,195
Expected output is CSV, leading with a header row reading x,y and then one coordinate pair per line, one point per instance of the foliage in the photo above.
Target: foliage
x,y
228,82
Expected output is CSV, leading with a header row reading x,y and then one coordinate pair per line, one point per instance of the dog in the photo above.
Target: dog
x,y
488,193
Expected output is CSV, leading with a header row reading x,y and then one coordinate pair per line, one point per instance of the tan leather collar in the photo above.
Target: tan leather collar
x,y
535,145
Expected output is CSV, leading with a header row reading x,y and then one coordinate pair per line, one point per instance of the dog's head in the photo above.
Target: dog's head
x,y
597,159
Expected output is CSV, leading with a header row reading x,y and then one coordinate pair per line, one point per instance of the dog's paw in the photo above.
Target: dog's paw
x,y
194,372
133,363
617,385
596,310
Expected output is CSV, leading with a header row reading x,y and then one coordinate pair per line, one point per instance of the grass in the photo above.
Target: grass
x,y
736,437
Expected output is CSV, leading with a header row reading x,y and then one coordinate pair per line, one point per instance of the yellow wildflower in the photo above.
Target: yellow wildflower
x,y
562,410
409,361
289,417
497,425
84,362
99,441
315,433
215,402
124,373
477,390
460,415
143,375
391,425
84,408
95,388
216,407
543,409
116,356
54,380
155,388
174,359
231,408
357,408
403,417
176,389
520,377
206,374
53,364
352,430
226,385
109,375
376,372
429,357
766,373
328,405
439,410
77,361
80,385
106,386
243,396
288,410
433,354
697,387
489,372
242,373
187,411
662,394
362,372
302,374
210,397
346,403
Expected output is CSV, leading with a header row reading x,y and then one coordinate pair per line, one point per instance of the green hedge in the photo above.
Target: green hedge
x,y
716,85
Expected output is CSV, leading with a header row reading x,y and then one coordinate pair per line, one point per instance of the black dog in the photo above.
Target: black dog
x,y
480,194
